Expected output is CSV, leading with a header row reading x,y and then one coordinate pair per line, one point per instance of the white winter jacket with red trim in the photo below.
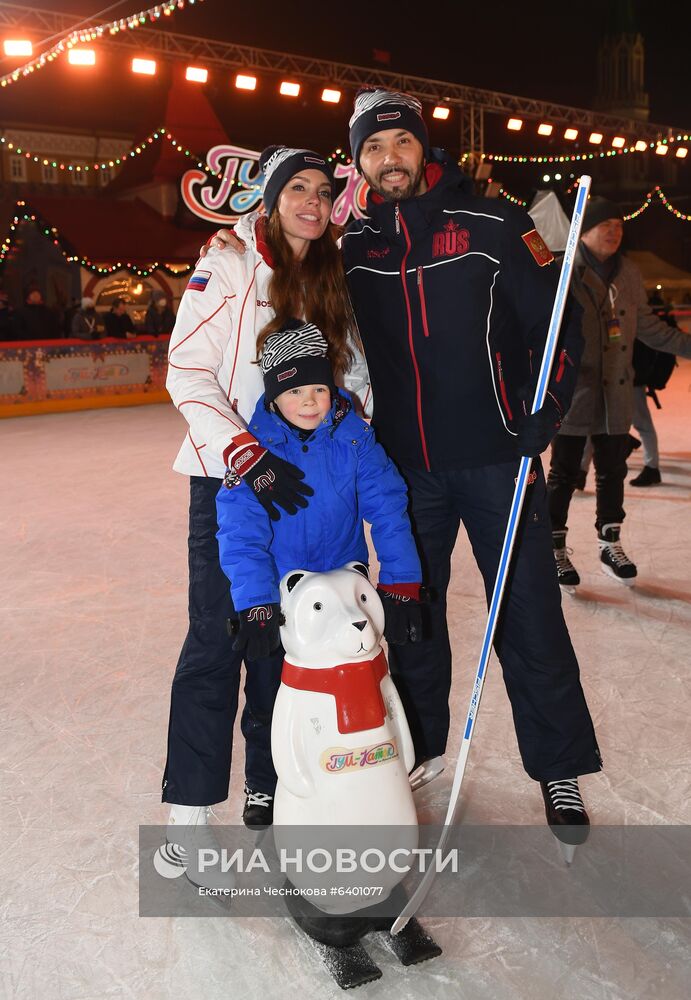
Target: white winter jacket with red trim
x,y
211,378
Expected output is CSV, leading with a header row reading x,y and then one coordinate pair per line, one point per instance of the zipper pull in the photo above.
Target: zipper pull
x,y
396,215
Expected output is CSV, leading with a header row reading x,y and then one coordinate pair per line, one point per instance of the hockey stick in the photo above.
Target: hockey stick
x,y
507,548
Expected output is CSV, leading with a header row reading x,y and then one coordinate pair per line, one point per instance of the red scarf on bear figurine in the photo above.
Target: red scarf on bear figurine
x,y
355,686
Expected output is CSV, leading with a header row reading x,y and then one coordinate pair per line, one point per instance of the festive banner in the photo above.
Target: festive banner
x,y
235,188
48,375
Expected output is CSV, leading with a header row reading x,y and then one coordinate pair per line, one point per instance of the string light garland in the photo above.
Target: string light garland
x,y
338,154
512,198
658,192
157,136
23,213
575,157
92,34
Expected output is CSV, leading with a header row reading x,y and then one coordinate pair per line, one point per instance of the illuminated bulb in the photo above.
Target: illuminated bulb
x,y
618,141
331,96
289,89
571,134
244,82
441,112
514,124
641,146
544,129
682,152
661,150
147,67
595,138
18,47
196,74
81,57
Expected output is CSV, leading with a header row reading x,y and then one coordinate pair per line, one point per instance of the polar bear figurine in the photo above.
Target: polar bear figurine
x,y
340,739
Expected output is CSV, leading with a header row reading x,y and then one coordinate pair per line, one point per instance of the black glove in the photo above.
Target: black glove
x,y
536,430
402,612
273,480
257,631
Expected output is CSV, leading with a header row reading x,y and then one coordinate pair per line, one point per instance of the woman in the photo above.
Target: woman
x,y
292,267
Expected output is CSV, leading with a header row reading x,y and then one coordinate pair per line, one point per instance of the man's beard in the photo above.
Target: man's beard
x,y
400,192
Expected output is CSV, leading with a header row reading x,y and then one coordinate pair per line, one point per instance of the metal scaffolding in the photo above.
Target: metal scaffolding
x,y
472,102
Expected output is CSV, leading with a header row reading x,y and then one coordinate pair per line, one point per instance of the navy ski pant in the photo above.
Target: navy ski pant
x,y
204,697
553,726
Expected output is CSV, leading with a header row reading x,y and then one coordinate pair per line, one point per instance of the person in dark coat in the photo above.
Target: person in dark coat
x,y
35,321
118,322
159,318
6,318
453,296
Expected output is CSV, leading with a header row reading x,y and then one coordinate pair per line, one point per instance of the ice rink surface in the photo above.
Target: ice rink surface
x,y
93,615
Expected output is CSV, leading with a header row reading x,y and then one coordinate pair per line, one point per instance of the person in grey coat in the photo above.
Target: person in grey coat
x,y
86,323
616,311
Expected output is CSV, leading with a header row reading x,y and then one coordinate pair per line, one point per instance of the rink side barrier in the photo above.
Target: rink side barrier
x,y
49,376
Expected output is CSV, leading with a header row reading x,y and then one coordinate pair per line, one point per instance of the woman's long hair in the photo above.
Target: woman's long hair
x,y
314,288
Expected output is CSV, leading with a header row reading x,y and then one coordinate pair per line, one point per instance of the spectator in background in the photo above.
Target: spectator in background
x,y
118,322
86,323
616,311
6,318
35,321
68,316
159,318
651,371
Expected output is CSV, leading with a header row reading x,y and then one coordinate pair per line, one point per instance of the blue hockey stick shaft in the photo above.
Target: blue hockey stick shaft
x,y
507,549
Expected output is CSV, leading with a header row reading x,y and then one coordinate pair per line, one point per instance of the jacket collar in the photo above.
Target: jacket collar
x,y
443,177
271,428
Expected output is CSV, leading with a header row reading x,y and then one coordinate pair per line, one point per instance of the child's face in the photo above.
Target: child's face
x,y
305,406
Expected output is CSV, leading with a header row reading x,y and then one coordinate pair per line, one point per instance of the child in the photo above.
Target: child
x,y
305,420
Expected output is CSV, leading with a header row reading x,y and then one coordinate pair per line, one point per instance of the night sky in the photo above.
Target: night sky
x,y
541,49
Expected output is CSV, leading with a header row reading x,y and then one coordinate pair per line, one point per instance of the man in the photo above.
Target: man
x,y
159,318
616,311
35,321
118,322
453,296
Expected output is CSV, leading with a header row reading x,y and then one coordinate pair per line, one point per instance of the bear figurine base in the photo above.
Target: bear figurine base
x,y
343,751
338,940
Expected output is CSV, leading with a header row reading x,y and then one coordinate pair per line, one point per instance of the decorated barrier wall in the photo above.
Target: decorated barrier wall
x,y
46,376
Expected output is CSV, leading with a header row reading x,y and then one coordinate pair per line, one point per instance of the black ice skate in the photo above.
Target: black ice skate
x,y
614,561
566,572
566,815
258,813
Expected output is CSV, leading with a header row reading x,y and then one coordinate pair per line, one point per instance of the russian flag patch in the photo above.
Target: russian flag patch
x,y
199,281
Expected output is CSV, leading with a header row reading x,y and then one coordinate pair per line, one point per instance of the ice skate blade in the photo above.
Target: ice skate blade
x,y
567,851
628,582
350,967
426,772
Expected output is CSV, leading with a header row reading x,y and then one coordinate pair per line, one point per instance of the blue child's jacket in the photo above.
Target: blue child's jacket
x,y
353,480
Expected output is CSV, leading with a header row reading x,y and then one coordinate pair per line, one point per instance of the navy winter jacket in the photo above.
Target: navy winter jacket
x,y
453,296
352,478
